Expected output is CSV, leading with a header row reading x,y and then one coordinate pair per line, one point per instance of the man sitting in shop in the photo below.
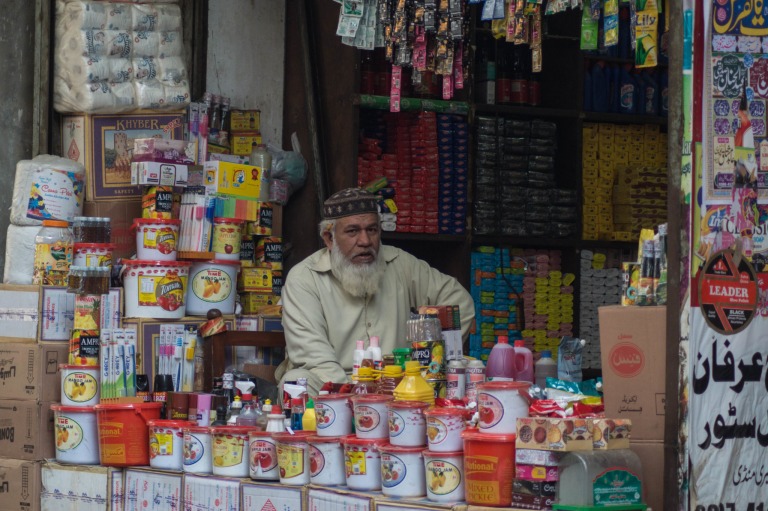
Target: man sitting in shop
x,y
353,289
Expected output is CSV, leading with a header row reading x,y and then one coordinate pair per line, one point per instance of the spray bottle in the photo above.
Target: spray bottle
x,y
248,416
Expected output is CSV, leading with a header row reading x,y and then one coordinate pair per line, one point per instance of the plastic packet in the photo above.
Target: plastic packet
x,y
569,356
289,166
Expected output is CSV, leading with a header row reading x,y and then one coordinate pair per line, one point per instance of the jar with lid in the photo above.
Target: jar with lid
x,y
53,253
86,229
391,377
88,280
261,158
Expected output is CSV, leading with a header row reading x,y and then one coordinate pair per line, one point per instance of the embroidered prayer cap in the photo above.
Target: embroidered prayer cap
x,y
349,202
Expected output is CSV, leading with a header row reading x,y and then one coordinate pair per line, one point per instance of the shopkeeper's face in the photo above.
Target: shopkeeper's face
x,y
358,238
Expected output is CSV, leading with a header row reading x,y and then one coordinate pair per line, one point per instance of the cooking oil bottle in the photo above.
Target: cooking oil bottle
x,y
414,387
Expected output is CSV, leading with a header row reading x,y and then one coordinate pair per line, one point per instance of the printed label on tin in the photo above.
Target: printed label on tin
x,y
443,477
69,434
490,409
291,460
316,461
325,415
366,418
263,456
393,470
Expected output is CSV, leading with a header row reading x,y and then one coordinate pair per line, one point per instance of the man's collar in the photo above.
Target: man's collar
x,y
323,262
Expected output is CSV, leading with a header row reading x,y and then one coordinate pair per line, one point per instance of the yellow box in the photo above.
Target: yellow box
x,y
589,210
607,175
554,434
233,179
589,174
589,129
260,280
651,129
244,120
591,163
242,143
636,157
606,127
256,303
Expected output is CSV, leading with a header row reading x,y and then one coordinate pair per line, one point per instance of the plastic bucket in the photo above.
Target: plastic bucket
x,y
489,464
363,462
166,444
407,425
334,414
93,254
156,238
124,434
155,289
500,404
444,476
212,285
197,449
79,385
371,415
293,457
402,471
227,236
326,460
444,427
263,456
77,438
230,450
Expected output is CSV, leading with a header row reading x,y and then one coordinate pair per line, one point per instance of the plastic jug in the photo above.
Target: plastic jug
x,y
501,362
523,362
414,387
545,368
591,478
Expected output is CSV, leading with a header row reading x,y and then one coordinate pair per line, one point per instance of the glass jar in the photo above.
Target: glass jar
x,y
53,253
88,280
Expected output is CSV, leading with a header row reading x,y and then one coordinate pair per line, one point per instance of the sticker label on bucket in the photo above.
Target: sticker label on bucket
x,y
212,285
325,415
160,443
80,387
367,418
162,239
291,460
263,455
392,470
396,424
69,434
228,450
490,410
443,477
316,461
193,449
164,291
436,430
354,461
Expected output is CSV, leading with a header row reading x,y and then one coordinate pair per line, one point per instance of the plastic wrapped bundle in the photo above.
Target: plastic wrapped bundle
x,y
20,254
47,188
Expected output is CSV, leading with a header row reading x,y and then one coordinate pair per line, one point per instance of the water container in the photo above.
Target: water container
x,y
627,91
523,362
545,368
501,362
594,478
600,90
587,101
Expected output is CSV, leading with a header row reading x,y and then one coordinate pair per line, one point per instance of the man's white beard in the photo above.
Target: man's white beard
x,y
357,279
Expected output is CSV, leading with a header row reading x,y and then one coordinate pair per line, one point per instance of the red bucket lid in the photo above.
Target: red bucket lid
x,y
105,246
332,397
408,405
78,366
65,408
477,435
197,429
163,423
372,398
105,407
156,221
316,439
297,436
223,220
231,430
431,454
401,449
258,432
217,261
365,442
445,411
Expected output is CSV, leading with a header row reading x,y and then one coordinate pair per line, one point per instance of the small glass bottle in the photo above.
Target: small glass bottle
x,y
221,416
261,158
297,412
234,411
266,409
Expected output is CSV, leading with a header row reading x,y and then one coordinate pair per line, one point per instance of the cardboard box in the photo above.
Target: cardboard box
x,y
163,150
651,455
26,429
57,312
610,433
244,120
149,173
19,485
263,496
633,355
31,371
121,213
152,490
320,498
260,280
104,144
19,313
553,434
233,180
211,493
242,143
384,503
81,488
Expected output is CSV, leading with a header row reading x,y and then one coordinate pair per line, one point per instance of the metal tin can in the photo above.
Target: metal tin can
x,y
475,374
456,382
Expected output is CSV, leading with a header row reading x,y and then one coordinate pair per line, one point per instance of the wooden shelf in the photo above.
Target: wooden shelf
x,y
421,236
623,118
617,60
527,111
196,256
413,104
524,242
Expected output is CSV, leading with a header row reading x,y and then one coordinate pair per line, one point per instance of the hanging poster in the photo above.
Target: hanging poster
x,y
728,292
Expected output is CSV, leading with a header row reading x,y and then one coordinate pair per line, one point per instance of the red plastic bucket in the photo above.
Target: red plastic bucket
x,y
489,468
124,434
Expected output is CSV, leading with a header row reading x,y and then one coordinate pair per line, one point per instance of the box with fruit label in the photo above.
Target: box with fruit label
x,y
554,434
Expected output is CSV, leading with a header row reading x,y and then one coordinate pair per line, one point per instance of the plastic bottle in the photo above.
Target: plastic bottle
x,y
309,419
365,382
627,91
234,411
545,368
503,76
53,253
248,416
261,158
275,422
265,410
374,353
414,387
357,357
650,100
390,378
501,361
297,413
523,362
600,90
221,416
583,474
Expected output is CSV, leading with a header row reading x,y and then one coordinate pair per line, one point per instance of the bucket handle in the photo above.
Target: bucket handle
x,y
140,413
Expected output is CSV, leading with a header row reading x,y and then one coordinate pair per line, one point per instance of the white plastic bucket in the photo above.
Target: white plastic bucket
x,y
444,476
92,254
444,427
293,457
402,471
407,425
212,285
362,461
227,237
156,238
166,444
155,289
371,415
263,456
79,385
500,404
197,450
334,414
77,435
230,451
326,460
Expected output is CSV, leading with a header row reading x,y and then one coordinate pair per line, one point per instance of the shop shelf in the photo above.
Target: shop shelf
x,y
524,242
420,236
413,104
527,111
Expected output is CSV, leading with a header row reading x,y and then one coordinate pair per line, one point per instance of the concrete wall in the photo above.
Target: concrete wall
x,y
17,55
246,54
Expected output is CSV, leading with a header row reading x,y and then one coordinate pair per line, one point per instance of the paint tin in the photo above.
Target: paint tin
x,y
227,236
230,451
326,460
77,437
197,450
293,457
402,471
166,444
263,456
444,476
371,415
362,461
444,427
407,424
500,404
156,239
79,385
334,414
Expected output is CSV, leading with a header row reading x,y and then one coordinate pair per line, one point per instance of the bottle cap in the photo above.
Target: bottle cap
x,y
55,223
392,371
297,401
412,367
503,339
519,343
365,373
359,345
546,354
310,404
374,342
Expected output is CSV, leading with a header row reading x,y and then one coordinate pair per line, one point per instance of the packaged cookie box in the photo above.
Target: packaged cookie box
x,y
611,433
554,434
